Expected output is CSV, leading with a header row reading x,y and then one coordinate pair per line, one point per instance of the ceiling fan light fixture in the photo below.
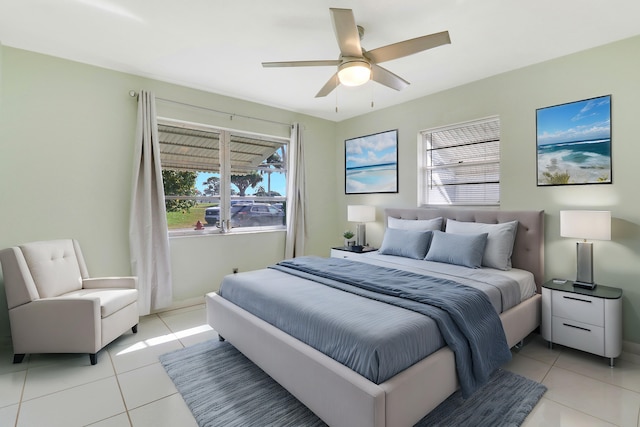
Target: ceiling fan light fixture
x,y
354,73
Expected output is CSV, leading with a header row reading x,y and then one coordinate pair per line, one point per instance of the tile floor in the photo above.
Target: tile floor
x,y
128,386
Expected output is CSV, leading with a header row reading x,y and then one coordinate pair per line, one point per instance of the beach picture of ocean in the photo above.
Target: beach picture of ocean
x,y
574,143
371,163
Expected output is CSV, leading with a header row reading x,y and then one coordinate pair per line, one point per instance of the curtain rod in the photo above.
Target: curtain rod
x,y
134,94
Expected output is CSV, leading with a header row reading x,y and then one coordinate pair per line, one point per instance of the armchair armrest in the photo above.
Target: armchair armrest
x,y
57,325
129,282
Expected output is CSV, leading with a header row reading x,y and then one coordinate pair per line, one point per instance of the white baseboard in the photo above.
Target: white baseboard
x,y
630,351
182,304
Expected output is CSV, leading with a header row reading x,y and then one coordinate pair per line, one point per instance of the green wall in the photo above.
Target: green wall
x,y
514,96
66,151
67,129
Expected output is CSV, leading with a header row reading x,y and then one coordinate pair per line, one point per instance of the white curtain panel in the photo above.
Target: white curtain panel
x,y
148,235
296,190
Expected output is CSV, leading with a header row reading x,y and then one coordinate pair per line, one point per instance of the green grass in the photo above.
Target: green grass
x,y
176,220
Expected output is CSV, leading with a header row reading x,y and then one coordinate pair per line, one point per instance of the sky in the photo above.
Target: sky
x,y
371,150
577,121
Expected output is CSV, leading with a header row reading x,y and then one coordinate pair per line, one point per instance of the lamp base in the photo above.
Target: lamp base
x,y
584,285
584,255
361,234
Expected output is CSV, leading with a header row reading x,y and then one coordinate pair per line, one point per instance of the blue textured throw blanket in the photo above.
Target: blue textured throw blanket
x,y
468,322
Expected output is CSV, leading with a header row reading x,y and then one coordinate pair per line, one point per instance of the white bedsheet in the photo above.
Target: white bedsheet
x,y
525,279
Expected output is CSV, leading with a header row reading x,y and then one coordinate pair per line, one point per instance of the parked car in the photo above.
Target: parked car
x,y
256,214
247,215
212,215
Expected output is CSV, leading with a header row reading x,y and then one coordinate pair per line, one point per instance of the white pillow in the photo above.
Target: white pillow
x,y
415,224
497,253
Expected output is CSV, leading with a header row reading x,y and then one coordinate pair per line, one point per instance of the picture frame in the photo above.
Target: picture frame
x,y
573,143
371,163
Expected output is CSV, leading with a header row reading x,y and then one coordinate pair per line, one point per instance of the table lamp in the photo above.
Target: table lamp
x,y
361,214
592,225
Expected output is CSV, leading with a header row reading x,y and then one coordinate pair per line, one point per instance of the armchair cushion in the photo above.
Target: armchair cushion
x,y
53,266
110,300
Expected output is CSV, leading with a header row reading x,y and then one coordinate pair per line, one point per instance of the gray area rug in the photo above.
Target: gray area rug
x,y
224,388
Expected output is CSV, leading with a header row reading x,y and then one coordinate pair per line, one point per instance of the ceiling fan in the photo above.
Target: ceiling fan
x,y
357,66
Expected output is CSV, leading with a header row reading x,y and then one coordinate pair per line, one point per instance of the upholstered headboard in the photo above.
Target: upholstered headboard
x,y
528,249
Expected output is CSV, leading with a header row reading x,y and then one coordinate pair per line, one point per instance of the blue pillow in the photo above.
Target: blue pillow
x,y
460,249
405,243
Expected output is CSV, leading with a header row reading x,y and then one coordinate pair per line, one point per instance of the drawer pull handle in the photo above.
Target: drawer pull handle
x,y
577,327
577,299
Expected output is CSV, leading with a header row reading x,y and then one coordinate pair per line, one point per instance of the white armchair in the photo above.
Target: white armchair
x,y
54,307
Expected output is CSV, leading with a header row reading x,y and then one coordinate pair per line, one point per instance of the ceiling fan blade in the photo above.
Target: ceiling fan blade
x,y
320,63
387,78
329,86
344,25
408,47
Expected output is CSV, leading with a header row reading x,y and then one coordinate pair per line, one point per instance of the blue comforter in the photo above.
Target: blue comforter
x,y
466,319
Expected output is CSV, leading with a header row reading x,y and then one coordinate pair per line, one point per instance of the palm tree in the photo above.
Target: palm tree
x,y
245,181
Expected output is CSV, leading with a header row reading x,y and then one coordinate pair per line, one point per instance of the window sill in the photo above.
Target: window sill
x,y
207,232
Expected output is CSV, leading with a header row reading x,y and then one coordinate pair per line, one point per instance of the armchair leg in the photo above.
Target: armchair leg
x,y
94,358
18,358
134,328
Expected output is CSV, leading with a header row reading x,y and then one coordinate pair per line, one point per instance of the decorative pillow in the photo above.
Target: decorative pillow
x,y
500,240
405,243
415,224
460,249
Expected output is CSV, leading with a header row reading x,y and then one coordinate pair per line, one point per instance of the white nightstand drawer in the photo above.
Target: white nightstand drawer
x,y
581,336
581,308
335,253
349,254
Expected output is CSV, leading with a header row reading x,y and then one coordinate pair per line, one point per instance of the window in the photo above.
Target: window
x,y
460,164
222,178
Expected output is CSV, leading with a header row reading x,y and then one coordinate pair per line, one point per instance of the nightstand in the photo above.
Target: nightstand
x,y
350,251
585,319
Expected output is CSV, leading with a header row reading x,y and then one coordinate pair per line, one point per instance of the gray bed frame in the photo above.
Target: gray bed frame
x,y
340,396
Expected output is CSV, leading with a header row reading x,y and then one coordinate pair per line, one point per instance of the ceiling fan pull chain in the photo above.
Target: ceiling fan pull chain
x,y
372,93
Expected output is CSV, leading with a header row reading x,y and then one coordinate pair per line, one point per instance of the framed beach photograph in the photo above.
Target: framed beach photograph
x,y
573,143
371,163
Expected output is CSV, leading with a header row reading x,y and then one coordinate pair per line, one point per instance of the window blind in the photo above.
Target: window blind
x,y
461,164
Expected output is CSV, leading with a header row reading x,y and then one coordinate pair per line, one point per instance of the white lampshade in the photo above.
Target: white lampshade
x,y
591,225
354,73
361,213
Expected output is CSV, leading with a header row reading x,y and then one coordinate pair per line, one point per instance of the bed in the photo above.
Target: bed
x,y
342,397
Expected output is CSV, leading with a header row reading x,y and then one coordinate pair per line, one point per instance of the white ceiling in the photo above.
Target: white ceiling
x,y
219,46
